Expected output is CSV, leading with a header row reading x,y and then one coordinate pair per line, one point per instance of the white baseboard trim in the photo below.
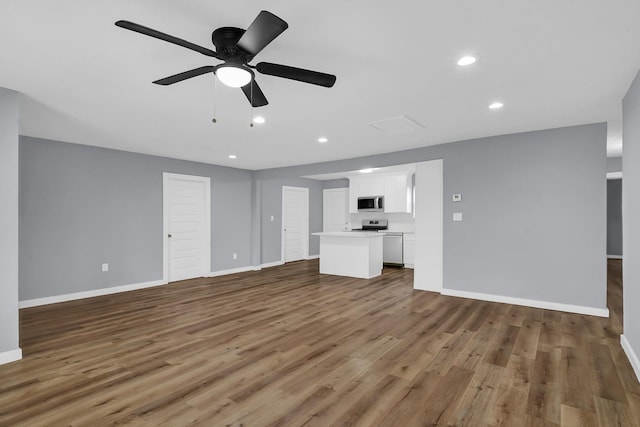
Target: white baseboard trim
x,y
271,264
10,356
253,267
591,311
234,270
614,256
88,294
631,355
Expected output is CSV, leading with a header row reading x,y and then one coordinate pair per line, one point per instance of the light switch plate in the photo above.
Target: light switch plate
x,y
457,216
105,267
457,197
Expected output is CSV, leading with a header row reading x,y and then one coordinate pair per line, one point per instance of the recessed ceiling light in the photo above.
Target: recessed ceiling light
x,y
259,120
367,170
322,140
496,105
233,156
466,60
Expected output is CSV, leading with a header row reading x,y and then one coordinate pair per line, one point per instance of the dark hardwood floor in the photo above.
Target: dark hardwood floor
x,y
287,346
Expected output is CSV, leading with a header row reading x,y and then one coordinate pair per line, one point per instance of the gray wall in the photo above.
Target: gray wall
x,y
614,164
335,183
614,217
82,206
534,212
631,214
9,220
271,198
533,204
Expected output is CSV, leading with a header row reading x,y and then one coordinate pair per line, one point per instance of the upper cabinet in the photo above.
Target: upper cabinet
x,y
397,193
396,189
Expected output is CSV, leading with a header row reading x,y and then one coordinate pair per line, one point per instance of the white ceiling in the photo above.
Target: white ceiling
x,y
552,62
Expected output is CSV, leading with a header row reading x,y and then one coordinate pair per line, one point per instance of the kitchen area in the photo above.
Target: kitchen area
x,y
369,225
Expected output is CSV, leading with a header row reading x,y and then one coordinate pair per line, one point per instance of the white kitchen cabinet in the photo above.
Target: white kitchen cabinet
x,y
397,193
408,249
354,193
335,209
372,185
396,189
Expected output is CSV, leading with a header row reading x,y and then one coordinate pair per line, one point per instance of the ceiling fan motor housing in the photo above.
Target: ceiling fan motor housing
x,y
225,39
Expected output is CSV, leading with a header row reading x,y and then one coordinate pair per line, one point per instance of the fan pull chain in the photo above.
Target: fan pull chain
x,y
251,106
215,98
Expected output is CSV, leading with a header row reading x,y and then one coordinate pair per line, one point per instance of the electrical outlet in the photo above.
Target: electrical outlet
x,y
235,255
105,266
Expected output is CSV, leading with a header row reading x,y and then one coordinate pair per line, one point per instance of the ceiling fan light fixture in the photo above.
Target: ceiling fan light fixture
x,y
234,75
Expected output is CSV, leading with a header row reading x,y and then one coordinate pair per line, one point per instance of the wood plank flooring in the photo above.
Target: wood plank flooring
x,y
289,347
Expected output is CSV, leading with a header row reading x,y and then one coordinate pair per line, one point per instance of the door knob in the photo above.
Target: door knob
x,y
168,235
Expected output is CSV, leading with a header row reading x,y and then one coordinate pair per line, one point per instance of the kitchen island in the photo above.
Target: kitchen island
x,y
351,253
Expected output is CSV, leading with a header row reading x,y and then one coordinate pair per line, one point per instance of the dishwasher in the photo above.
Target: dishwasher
x,y
392,249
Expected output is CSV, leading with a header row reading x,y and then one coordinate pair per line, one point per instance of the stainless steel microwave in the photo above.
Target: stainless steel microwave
x,y
371,204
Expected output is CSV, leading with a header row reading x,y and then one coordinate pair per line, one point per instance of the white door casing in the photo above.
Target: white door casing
x,y
186,226
429,204
295,223
335,209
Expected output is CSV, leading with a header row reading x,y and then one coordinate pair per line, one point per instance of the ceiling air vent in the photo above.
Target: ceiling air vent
x,y
396,125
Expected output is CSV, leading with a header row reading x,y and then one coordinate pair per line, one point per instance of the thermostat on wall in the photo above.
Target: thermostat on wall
x,y
457,197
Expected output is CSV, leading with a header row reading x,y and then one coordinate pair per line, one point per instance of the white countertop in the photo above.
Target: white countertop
x,y
348,234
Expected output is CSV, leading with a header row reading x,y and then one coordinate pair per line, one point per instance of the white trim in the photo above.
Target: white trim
x,y
614,175
234,271
312,257
247,268
89,294
10,356
631,355
305,231
206,233
614,256
591,311
272,264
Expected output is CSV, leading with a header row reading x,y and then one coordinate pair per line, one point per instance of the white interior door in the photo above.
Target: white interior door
x,y
295,223
187,226
335,209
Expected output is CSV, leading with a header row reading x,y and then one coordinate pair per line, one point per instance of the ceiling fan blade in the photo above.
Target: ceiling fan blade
x,y
166,37
299,74
261,32
185,75
254,94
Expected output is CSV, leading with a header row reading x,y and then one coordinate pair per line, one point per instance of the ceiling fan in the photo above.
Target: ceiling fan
x,y
237,47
